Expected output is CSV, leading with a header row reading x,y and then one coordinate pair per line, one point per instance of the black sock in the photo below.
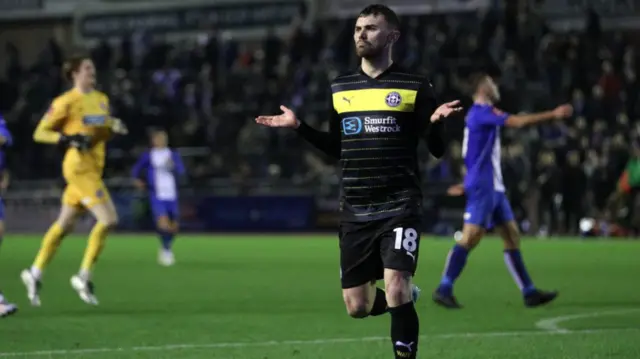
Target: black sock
x,y
404,331
379,304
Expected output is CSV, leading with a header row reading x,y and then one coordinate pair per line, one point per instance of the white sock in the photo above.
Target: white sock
x,y
1,298
85,275
36,273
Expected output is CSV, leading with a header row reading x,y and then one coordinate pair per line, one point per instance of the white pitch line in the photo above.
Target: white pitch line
x,y
173,347
552,325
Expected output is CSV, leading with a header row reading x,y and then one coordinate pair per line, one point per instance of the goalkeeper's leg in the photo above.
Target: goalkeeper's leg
x,y
31,277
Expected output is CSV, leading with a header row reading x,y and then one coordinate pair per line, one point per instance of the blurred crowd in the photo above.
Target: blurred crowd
x,y
207,91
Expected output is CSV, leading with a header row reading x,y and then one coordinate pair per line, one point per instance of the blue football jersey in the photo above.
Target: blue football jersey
x,y
481,148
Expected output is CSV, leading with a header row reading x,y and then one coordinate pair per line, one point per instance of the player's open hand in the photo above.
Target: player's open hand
x,y
286,119
563,111
445,110
455,190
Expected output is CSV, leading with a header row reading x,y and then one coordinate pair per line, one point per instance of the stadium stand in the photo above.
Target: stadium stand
x,y
206,88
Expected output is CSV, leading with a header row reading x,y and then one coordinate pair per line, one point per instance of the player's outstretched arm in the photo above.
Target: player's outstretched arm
x,y
433,130
558,113
436,135
327,142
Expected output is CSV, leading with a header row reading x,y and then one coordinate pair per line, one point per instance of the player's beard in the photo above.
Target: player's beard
x,y
368,51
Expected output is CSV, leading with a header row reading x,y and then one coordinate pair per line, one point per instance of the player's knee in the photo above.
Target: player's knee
x,y
357,307
471,236
67,224
110,221
164,224
397,288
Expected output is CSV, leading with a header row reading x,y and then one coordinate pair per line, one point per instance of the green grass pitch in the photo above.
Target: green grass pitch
x,y
273,297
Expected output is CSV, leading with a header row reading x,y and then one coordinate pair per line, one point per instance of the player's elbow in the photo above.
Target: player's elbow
x,y
43,135
38,136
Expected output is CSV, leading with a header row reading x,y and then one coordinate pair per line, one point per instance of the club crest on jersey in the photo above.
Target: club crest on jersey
x,y
393,99
351,125
104,106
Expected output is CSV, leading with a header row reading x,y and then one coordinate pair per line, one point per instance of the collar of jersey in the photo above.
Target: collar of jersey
x,y
393,67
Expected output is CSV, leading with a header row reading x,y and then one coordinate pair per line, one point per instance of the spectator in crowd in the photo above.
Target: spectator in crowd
x,y
205,92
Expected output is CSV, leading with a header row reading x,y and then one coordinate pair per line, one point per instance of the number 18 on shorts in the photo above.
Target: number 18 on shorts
x,y
367,248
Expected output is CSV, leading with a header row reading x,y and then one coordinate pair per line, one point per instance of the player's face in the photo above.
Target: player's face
x,y
373,36
86,74
160,139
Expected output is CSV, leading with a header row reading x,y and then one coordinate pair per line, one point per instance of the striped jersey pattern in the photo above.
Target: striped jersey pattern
x,y
381,121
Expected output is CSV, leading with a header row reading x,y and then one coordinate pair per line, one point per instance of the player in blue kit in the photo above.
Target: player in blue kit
x,y
6,140
487,205
156,171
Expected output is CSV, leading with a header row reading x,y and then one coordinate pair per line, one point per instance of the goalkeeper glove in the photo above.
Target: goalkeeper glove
x,y
81,142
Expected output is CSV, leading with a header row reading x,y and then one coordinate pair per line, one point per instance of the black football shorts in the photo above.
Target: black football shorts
x,y
367,248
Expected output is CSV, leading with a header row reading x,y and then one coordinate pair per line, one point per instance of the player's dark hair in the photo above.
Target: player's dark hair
x,y
73,65
477,79
378,9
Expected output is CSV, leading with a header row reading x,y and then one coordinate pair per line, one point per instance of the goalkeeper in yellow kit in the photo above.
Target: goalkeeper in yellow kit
x,y
79,120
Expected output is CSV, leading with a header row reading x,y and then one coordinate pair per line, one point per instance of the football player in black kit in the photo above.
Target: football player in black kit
x,y
379,114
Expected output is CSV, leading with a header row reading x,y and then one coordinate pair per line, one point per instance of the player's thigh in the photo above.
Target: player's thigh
x,y
164,213
71,208
477,218
502,212
96,199
400,243
400,248
160,214
505,222
360,260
